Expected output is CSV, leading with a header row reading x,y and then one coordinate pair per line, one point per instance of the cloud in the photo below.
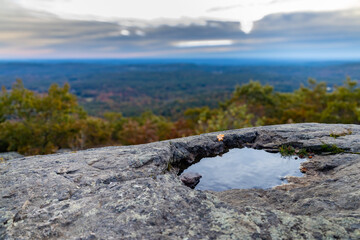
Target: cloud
x,y
33,33
204,43
156,12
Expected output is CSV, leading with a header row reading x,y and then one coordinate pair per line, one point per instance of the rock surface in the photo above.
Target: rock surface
x,y
134,192
9,155
190,179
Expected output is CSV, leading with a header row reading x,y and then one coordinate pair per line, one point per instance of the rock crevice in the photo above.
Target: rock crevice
x,y
134,192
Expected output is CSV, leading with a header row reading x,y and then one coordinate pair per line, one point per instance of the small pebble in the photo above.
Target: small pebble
x,y
190,179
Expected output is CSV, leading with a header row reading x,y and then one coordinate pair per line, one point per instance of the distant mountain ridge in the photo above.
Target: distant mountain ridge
x,y
167,86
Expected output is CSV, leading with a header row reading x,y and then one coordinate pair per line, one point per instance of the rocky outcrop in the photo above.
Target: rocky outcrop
x,y
134,192
9,155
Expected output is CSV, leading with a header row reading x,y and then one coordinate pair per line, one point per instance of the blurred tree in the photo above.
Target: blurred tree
x,y
343,104
38,124
33,123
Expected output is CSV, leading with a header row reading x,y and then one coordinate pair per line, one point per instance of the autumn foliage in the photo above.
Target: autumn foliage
x,y
33,123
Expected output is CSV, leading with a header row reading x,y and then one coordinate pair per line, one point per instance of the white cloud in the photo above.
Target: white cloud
x,y
203,43
162,11
140,33
125,32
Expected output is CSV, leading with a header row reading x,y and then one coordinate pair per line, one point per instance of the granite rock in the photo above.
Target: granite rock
x,y
9,155
190,179
134,192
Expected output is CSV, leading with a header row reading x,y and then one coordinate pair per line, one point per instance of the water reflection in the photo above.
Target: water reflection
x,y
244,168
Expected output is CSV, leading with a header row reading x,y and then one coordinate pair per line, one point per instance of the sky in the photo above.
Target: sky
x,y
264,29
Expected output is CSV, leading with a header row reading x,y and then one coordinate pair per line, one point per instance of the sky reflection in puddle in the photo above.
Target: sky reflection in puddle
x,y
243,169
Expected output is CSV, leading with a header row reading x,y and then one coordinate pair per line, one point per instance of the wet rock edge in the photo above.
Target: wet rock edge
x,y
323,203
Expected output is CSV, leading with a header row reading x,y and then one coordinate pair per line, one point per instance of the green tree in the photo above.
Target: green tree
x,y
40,123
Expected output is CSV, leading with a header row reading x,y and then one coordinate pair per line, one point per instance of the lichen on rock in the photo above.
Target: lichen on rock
x,y
131,192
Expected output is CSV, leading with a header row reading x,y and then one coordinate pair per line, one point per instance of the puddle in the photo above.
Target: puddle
x,y
245,168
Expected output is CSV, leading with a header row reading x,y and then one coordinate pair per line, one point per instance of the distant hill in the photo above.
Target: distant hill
x,y
166,87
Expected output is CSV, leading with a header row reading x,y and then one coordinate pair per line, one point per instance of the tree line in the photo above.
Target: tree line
x,y
34,123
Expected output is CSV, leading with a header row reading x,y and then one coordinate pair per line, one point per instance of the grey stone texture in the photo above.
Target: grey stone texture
x,y
190,179
134,192
9,155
